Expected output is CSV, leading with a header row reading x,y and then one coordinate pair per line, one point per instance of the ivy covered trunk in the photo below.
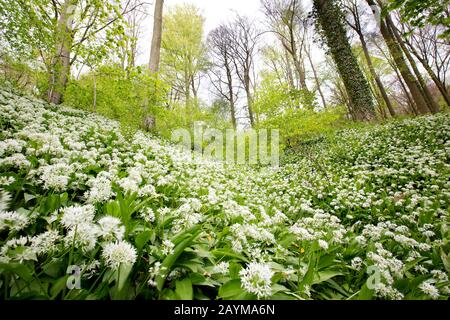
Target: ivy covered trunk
x,y
329,18
61,62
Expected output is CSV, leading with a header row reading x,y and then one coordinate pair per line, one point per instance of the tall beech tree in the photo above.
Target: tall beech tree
x,y
222,72
245,39
155,51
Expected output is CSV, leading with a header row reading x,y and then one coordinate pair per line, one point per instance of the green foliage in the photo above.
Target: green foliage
x,y
29,28
294,112
298,126
120,95
19,75
183,52
422,12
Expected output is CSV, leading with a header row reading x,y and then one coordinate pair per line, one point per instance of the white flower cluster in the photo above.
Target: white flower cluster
x,y
256,278
118,253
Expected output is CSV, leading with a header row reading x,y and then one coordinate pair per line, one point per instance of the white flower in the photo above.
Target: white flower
x,y
221,268
13,220
167,247
45,242
83,236
111,228
117,253
256,278
17,250
429,289
75,215
56,176
323,244
5,200
101,189
357,263
148,215
236,246
154,271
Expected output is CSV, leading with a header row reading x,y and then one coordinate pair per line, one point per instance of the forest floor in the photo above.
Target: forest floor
x,y
362,214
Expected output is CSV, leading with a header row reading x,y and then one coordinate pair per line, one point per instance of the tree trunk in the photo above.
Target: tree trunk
x,y
316,79
60,70
431,103
231,92
187,90
356,85
397,54
249,100
289,74
95,93
433,76
375,75
411,103
155,52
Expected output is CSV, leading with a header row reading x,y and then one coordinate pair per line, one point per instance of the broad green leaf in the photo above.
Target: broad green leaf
x,y
230,289
184,289
170,260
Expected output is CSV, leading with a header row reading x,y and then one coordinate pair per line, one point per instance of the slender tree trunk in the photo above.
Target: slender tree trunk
x,y
95,93
61,63
155,52
231,93
375,75
249,99
411,103
410,100
187,90
434,77
399,59
301,72
432,74
291,48
316,79
431,103
194,89
356,85
289,74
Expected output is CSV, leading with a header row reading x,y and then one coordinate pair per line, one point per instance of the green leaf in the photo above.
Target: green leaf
x,y
234,270
365,293
325,275
184,289
124,272
230,289
19,269
445,260
58,286
221,254
170,260
142,239
54,268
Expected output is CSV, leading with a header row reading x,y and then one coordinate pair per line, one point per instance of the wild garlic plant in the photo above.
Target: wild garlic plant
x,y
361,215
